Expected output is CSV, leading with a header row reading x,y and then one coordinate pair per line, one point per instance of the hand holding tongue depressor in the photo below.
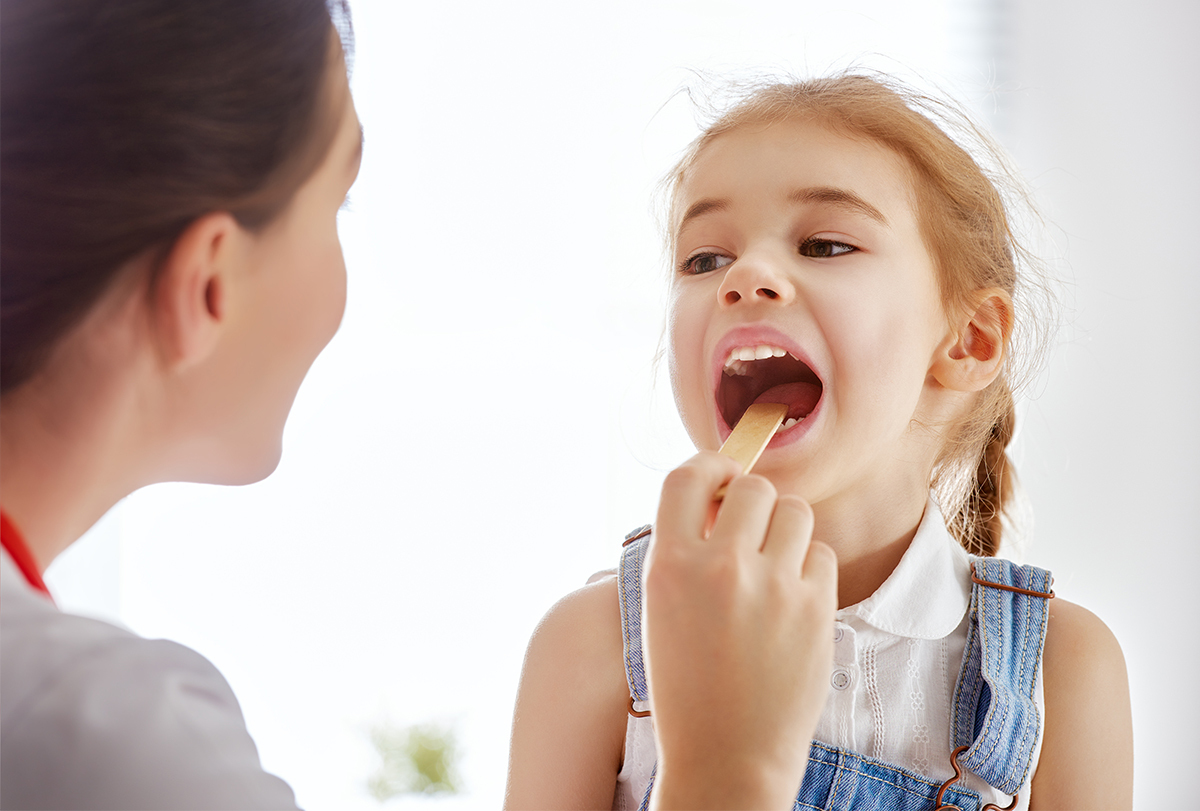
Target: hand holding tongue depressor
x,y
751,435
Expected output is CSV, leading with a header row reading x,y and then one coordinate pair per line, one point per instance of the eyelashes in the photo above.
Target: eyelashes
x,y
817,248
704,262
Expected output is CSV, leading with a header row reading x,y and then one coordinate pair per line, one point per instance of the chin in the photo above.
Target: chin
x,y
240,466
262,467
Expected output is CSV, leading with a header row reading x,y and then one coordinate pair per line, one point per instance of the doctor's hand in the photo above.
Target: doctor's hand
x,y
739,638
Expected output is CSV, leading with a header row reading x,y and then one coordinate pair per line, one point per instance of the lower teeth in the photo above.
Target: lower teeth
x,y
788,423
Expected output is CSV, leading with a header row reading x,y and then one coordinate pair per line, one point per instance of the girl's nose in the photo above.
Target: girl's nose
x,y
755,279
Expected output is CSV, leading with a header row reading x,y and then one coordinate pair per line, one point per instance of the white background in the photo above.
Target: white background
x,y
488,422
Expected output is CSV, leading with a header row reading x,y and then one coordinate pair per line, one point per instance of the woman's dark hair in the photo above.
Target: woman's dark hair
x,y
122,121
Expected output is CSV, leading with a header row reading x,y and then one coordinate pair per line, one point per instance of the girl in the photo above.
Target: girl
x,y
838,252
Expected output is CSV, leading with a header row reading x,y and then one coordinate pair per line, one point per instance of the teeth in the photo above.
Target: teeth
x,y
738,356
788,423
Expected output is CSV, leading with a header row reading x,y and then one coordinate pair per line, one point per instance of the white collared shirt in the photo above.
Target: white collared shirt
x,y
94,716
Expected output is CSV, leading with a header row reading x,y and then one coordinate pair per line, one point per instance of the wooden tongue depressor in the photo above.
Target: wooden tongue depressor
x,y
751,435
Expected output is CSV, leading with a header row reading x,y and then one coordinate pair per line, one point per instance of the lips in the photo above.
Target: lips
x,y
766,373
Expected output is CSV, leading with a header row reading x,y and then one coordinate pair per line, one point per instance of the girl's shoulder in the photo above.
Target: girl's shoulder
x,y
583,629
1076,639
1087,749
570,715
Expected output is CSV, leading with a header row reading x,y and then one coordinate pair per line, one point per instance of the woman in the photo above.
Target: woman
x,y
172,174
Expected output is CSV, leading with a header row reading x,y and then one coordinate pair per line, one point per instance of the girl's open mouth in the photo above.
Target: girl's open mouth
x,y
766,374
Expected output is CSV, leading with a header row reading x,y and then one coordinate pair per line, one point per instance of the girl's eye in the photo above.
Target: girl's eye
x,y
816,248
704,263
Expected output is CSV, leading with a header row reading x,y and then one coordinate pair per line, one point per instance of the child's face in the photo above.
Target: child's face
x,y
806,242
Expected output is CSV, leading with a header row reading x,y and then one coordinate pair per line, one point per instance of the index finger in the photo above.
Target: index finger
x,y
687,495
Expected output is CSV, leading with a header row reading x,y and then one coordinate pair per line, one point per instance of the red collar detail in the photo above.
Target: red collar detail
x,y
15,546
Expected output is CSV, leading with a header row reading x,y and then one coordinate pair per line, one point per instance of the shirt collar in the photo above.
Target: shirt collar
x,y
928,593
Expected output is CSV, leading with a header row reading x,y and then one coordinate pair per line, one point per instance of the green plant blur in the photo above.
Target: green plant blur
x,y
419,759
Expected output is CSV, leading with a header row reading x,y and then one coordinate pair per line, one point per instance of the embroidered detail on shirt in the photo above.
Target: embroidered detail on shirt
x,y
869,669
917,696
845,709
945,682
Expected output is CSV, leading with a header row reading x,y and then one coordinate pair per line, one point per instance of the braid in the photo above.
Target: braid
x,y
981,516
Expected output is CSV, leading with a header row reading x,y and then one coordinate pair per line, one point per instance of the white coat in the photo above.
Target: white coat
x,y
93,716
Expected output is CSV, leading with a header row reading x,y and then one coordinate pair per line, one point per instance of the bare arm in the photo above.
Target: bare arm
x,y
569,723
1087,749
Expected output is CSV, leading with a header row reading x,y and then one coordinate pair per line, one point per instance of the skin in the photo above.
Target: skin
x,y
813,238
190,378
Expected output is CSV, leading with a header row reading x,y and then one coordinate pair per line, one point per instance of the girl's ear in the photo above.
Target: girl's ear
x,y
972,354
192,288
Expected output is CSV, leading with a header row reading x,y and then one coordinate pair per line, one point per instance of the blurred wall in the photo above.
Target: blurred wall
x,y
1103,113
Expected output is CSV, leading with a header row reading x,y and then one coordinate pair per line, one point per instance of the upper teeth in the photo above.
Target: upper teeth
x,y
739,355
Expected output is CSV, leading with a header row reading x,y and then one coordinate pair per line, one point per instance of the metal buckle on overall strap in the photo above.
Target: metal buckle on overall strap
x,y
938,806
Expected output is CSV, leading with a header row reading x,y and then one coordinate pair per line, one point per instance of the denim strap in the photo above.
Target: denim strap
x,y
995,711
645,804
629,591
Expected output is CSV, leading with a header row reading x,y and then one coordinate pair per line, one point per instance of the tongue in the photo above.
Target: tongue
x,y
800,398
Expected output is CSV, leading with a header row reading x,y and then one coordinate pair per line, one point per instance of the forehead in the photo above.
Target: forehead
x,y
760,164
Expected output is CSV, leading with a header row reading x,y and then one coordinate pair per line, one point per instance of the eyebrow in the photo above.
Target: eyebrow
x,y
826,195
838,198
701,207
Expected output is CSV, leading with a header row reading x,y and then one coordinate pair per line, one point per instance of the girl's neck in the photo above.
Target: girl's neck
x,y
869,539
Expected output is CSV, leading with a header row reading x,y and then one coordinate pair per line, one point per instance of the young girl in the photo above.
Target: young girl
x,y
836,251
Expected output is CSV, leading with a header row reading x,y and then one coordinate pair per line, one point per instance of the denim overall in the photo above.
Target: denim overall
x,y
996,720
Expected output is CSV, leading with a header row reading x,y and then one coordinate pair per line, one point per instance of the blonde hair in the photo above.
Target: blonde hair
x,y
965,214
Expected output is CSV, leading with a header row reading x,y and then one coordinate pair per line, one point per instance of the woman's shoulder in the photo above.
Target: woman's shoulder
x,y
148,722
40,643
56,662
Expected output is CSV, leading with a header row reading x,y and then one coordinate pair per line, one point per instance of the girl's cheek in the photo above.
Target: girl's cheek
x,y
686,329
684,337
